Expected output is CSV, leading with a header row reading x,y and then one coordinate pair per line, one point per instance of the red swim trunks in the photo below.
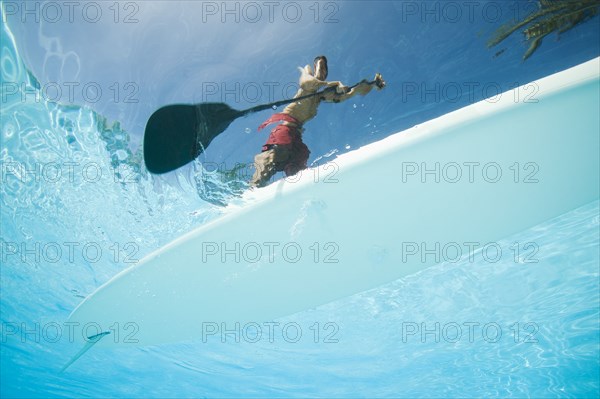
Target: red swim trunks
x,y
289,136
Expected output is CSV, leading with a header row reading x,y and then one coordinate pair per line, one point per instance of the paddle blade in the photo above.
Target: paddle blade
x,y
176,134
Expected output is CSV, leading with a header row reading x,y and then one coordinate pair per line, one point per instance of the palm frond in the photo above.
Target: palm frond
x,y
552,16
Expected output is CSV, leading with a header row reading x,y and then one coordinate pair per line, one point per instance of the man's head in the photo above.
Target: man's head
x,y
321,67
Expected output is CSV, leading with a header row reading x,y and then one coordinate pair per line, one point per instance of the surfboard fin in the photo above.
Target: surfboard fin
x,y
88,345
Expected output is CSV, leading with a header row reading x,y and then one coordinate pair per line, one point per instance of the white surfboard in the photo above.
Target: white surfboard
x,y
371,216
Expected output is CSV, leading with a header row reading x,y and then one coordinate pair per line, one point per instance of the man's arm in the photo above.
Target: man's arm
x,y
313,84
343,93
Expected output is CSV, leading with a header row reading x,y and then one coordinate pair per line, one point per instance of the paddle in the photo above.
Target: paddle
x,y
176,134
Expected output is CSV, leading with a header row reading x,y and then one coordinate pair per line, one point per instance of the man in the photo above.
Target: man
x,y
284,149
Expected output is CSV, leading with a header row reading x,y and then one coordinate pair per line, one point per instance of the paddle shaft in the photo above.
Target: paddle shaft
x,y
176,134
291,100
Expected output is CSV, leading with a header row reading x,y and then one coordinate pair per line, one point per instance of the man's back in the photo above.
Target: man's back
x,y
306,109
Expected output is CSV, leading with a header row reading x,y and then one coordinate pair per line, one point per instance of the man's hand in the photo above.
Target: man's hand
x,y
365,86
340,88
343,93
379,82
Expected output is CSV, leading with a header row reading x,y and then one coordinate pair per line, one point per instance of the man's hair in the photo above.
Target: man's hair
x,y
321,57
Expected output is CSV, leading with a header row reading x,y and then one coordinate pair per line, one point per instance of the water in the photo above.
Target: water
x,y
78,207
525,326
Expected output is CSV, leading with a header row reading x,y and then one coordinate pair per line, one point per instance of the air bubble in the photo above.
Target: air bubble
x,y
247,130
9,130
121,155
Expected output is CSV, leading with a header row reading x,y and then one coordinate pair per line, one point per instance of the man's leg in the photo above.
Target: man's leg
x,y
269,162
298,159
